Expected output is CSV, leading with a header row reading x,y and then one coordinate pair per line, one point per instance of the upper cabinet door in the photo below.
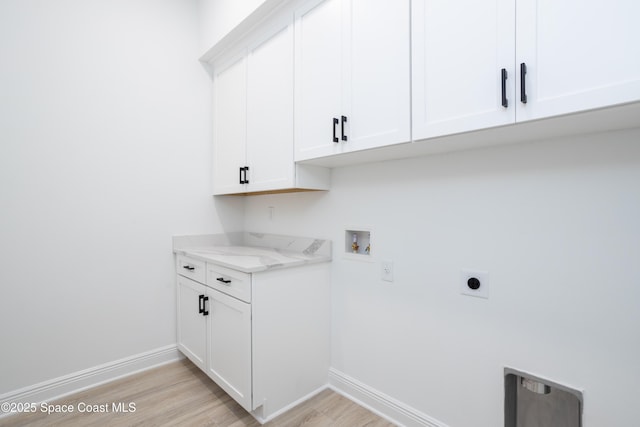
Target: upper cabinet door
x,y
376,72
270,110
318,84
459,50
579,55
353,88
229,124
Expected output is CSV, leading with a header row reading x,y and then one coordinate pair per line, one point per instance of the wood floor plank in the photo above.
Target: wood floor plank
x,y
179,394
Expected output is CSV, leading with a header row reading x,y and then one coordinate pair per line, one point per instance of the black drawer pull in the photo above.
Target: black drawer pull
x,y
200,304
505,102
335,123
205,312
221,279
188,267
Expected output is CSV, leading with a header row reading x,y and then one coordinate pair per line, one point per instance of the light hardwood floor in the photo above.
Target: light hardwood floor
x,y
179,394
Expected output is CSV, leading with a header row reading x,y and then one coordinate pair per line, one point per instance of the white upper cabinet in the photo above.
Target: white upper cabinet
x,y
270,111
480,64
377,92
459,51
579,55
253,117
352,74
318,78
313,79
229,125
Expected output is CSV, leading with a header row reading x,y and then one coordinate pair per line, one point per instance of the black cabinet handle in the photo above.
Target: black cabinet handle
x,y
205,312
243,175
200,304
188,267
344,120
335,123
221,279
523,86
505,102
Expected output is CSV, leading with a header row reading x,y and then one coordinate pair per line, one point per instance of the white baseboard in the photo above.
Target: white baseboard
x,y
379,403
82,380
257,414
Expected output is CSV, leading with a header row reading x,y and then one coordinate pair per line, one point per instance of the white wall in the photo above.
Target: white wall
x,y
557,225
104,155
218,17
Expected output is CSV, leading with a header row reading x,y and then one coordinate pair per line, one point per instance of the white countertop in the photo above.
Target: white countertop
x,y
253,252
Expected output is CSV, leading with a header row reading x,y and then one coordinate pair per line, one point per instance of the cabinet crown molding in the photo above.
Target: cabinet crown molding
x,y
267,9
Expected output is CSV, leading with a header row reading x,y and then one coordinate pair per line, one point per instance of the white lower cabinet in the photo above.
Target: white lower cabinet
x,y
262,337
214,332
192,325
229,346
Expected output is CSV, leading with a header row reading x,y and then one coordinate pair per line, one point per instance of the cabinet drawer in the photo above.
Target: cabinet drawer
x,y
231,282
191,268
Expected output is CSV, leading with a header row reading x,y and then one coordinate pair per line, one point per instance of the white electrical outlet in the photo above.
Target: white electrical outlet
x,y
474,283
386,271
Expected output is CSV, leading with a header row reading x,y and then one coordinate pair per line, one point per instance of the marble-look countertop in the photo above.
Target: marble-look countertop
x,y
253,252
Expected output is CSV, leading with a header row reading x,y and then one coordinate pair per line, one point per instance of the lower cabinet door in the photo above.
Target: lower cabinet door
x,y
229,363
192,325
